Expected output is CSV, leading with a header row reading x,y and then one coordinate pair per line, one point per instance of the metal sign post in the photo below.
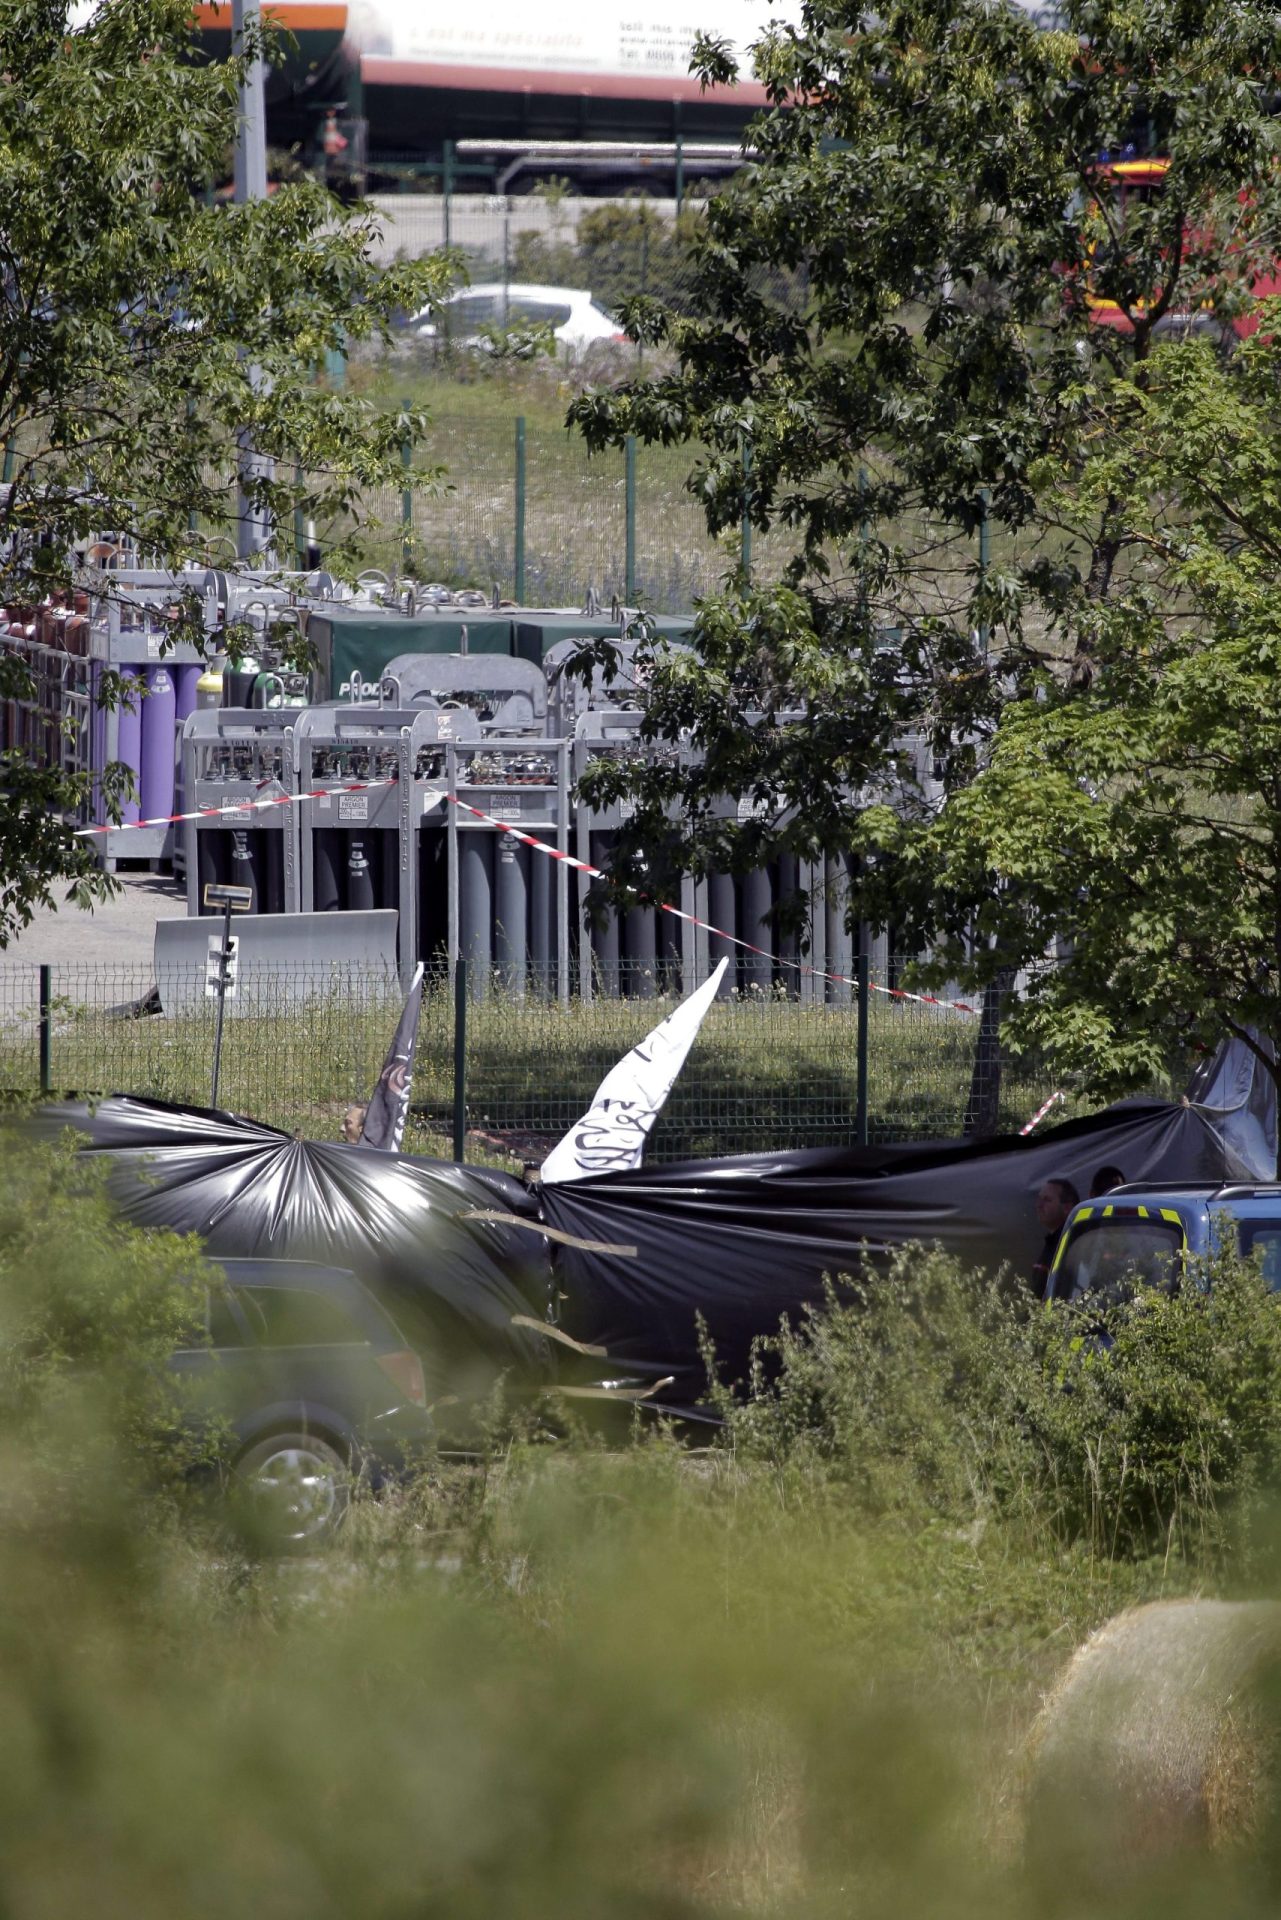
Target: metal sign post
x,y
224,962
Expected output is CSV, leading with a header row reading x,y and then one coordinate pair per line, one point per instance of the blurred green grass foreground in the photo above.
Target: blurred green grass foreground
x,y
789,1673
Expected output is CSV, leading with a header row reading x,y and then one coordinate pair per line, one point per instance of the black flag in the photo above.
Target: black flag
x,y
388,1109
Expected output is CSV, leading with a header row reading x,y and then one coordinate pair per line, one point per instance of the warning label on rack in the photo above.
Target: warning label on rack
x,y
353,806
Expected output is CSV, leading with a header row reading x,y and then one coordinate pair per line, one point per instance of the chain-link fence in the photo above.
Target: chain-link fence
x,y
765,1072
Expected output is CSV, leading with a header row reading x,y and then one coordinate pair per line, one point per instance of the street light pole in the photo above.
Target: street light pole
x,y
253,525
251,132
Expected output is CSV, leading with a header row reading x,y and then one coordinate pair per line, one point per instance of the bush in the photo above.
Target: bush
x,y
928,1390
649,1682
90,1310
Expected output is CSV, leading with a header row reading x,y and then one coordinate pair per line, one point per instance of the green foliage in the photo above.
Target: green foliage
x,y
143,326
617,247
934,172
653,1682
1135,818
90,1310
938,1395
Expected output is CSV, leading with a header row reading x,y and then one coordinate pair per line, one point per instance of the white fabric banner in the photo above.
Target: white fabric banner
x,y
611,1136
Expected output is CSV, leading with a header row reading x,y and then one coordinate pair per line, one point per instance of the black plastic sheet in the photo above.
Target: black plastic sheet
x,y
742,1242
456,1284
738,1243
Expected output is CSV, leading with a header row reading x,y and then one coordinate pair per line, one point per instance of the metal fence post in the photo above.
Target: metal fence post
x,y
193,518
747,511
862,973
460,1058
406,504
300,529
985,558
864,535
447,184
46,1029
520,509
629,521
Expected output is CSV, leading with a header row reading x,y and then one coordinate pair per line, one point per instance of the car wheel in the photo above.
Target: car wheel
x,y
295,1488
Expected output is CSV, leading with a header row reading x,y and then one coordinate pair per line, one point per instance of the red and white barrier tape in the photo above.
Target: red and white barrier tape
x,y
233,806
678,913
1041,1112
240,807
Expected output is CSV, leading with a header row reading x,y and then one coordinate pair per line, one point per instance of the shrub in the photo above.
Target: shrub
x,y
90,1310
926,1389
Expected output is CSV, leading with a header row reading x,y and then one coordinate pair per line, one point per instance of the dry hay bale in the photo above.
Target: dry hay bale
x,y
1158,1736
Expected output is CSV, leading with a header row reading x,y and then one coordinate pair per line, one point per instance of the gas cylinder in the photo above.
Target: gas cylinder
x,y
360,879
238,681
279,689
209,685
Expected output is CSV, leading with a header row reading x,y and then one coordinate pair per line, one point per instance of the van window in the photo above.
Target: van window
x,y
1264,1238
223,1329
1108,1259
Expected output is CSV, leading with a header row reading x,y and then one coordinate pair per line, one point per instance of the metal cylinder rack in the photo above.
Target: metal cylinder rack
x,y
359,849
232,758
453,696
507,907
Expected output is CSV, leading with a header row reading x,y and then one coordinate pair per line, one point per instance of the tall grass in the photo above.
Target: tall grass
x,y
575,528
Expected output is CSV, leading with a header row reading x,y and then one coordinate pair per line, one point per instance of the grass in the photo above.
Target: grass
x,y
575,526
763,1073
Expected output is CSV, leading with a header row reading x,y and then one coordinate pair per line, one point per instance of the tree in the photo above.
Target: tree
x,y
1138,824
143,324
939,170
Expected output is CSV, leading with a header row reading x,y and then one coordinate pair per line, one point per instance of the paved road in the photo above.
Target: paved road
x,y
121,932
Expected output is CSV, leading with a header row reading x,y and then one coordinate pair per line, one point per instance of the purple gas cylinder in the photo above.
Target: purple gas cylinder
x,y
129,736
184,680
156,768
97,741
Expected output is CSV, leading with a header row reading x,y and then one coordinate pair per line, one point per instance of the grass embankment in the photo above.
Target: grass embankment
x,y
788,1675
763,1073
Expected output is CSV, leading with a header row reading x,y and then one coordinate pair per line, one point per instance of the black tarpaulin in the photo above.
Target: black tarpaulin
x,y
1234,1090
455,1284
744,1241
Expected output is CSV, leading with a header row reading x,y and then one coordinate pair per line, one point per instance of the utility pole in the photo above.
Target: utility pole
x,y
253,526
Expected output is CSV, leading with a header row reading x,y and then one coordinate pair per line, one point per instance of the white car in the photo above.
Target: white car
x,y
575,319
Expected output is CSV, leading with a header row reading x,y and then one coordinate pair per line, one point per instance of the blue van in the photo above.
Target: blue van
x,y
1138,1235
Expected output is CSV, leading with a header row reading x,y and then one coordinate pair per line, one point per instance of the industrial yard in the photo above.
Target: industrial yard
x,y
640,961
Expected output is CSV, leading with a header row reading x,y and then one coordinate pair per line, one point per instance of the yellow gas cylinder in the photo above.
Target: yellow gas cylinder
x,y
209,685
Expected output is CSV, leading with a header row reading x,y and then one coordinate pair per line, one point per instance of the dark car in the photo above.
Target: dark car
x,y
317,1384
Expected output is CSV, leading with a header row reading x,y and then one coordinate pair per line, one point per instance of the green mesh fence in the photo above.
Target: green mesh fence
x,y
765,1072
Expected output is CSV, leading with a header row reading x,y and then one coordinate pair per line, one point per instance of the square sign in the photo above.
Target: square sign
x,y
215,976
